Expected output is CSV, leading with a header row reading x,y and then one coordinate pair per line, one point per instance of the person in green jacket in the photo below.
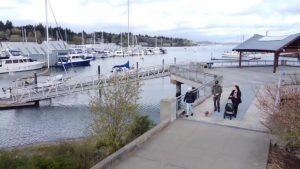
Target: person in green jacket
x,y
217,91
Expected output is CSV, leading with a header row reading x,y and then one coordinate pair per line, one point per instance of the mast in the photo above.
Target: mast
x,y
94,38
25,36
128,25
121,43
82,38
47,33
35,34
66,38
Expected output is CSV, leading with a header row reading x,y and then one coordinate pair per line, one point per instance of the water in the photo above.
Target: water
x,y
69,117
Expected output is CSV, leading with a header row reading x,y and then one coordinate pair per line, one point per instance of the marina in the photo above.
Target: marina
x,y
69,117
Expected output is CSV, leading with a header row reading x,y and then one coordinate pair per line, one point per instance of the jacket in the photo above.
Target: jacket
x,y
216,89
239,95
189,97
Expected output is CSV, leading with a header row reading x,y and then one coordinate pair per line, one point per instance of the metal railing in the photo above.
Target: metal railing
x,y
42,91
253,63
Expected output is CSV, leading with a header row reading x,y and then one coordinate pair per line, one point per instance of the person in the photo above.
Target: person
x,y
216,91
235,96
189,98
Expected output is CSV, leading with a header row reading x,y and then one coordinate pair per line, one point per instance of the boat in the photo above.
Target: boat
x,y
14,61
120,53
120,68
230,54
72,60
88,54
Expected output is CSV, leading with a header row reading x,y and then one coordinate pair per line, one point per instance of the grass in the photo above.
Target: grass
x,y
73,155
79,154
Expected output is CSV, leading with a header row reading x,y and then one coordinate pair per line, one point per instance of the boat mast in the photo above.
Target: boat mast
x,y
128,25
47,33
82,39
121,43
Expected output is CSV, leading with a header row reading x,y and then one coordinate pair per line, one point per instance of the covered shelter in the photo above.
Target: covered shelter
x,y
270,44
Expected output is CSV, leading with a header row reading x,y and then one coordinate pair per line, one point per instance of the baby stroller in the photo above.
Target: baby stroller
x,y
229,109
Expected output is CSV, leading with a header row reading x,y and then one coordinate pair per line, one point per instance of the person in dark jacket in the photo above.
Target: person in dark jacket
x,y
235,96
216,91
189,98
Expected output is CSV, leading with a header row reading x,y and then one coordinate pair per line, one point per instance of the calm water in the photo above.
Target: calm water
x,y
69,117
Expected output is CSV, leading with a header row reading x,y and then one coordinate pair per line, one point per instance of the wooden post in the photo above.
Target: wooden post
x,y
275,63
99,73
240,59
36,103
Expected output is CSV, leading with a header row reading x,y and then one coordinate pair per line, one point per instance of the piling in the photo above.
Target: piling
x,y
37,102
99,73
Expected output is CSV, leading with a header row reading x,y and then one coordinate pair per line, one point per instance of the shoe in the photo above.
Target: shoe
x,y
192,114
186,115
219,110
215,109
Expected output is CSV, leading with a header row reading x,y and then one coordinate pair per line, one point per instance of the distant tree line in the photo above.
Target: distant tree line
x,y
37,33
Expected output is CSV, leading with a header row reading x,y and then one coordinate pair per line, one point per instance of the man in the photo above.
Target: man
x,y
189,98
216,91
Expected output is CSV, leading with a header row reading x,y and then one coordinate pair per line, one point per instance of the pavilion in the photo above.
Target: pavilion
x,y
270,44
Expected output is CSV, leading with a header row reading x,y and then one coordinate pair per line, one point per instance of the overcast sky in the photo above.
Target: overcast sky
x,y
198,20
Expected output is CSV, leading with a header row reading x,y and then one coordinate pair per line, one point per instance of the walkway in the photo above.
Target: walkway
x,y
187,144
251,81
201,142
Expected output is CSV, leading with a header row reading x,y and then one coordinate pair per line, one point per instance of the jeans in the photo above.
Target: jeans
x,y
217,103
189,108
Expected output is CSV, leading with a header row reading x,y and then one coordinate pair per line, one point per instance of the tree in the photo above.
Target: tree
x,y
115,110
8,25
2,26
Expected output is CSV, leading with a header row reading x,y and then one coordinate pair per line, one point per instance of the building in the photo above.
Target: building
x,y
39,51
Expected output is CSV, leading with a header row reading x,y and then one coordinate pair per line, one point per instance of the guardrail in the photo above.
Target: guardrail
x,y
250,63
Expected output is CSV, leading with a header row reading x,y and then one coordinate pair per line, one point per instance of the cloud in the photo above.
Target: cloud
x,y
194,19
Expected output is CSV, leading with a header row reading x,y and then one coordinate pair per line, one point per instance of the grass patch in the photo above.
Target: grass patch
x,y
81,154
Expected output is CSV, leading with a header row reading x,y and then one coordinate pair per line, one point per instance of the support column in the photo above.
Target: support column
x,y
167,109
275,63
240,59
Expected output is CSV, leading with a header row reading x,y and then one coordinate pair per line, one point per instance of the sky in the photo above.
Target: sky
x,y
197,20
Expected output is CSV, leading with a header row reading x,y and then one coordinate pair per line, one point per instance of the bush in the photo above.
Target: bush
x,y
140,125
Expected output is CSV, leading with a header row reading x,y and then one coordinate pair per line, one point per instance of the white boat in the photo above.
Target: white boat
x,y
230,54
14,61
86,53
120,53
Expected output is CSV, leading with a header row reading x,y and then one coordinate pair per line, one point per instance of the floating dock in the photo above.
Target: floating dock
x,y
10,105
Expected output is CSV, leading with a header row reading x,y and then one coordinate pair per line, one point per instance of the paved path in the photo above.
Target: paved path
x,y
187,144
251,82
201,142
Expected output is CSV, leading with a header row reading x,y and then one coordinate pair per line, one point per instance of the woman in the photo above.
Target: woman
x,y
235,96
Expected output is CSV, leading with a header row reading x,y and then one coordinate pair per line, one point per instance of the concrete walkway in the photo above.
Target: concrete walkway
x,y
251,81
201,142
187,144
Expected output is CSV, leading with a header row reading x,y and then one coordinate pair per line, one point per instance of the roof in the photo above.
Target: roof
x,y
266,43
30,48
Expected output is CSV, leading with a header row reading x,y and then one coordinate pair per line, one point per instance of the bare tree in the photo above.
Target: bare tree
x,y
115,110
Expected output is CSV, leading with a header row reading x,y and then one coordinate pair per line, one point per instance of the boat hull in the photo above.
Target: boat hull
x,y
75,64
21,68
